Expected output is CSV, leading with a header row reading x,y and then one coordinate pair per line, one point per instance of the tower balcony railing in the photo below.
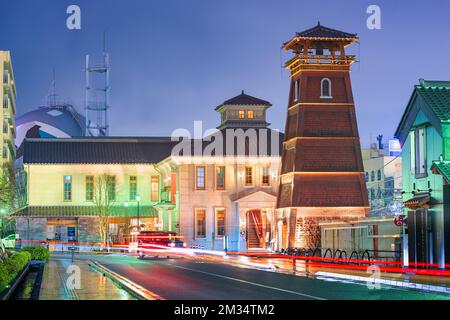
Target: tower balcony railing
x,y
321,59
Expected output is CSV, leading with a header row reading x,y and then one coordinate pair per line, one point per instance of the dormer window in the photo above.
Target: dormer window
x,y
250,114
325,88
241,114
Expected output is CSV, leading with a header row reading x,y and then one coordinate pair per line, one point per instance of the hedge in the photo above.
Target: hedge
x,y
12,266
37,253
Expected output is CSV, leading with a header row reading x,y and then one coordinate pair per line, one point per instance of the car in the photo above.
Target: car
x,y
157,240
9,242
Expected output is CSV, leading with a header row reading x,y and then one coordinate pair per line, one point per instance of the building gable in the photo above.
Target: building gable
x,y
432,98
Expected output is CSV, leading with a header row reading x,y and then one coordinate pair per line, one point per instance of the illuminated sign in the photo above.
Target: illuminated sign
x,y
394,146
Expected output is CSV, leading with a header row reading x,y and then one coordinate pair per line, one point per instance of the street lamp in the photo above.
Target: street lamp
x,y
138,199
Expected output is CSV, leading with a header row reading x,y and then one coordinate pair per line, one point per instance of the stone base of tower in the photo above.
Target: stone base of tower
x,y
300,227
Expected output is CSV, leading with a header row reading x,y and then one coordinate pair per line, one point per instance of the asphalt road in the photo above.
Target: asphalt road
x,y
185,279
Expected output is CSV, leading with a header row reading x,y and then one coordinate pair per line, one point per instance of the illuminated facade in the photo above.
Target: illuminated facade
x,y
8,114
61,178
228,201
322,175
424,132
384,181
224,199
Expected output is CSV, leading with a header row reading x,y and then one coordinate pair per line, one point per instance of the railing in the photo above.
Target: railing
x,y
166,195
321,59
347,256
258,228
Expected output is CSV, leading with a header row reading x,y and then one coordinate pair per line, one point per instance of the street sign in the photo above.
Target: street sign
x,y
399,220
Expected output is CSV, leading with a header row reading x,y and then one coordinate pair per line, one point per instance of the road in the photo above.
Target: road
x,y
186,279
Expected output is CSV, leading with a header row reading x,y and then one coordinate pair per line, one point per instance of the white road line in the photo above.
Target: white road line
x,y
249,282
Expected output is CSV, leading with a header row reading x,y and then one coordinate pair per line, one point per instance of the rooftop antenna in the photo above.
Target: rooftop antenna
x,y
50,99
97,95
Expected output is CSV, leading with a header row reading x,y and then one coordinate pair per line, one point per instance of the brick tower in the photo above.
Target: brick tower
x,y
322,175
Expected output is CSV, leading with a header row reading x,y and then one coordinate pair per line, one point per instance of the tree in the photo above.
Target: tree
x,y
7,187
104,196
7,194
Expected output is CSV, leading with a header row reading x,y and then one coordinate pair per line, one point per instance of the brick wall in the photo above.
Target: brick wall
x,y
88,229
31,228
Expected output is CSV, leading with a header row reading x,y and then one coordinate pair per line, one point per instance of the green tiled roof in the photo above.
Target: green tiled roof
x,y
84,211
443,167
436,95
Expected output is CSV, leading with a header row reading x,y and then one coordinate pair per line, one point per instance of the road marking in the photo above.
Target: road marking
x,y
249,282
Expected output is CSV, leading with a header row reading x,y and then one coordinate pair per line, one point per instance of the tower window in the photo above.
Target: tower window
x,y
67,188
248,176
250,114
296,90
325,88
241,114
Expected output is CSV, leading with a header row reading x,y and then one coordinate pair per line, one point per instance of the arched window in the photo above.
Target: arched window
x,y
379,174
325,88
367,176
372,176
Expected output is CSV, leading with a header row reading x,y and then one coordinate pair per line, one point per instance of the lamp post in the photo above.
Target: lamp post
x,y
138,199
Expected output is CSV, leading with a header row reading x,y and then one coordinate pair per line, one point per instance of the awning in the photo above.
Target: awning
x,y
442,168
418,201
84,211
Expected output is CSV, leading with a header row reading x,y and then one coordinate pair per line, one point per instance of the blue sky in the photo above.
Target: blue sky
x,y
173,61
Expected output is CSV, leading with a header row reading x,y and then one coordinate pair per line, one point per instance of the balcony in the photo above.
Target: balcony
x,y
165,197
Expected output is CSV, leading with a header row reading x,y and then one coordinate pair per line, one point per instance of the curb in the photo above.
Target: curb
x,y
131,287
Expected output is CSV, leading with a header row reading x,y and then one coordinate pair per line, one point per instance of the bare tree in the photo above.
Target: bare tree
x,y
104,196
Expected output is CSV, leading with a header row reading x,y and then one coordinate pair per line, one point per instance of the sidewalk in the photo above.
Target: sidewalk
x,y
93,285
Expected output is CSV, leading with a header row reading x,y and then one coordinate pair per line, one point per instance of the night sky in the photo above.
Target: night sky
x,y
173,61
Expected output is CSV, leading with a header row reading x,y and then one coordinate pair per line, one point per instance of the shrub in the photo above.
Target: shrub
x,y
4,276
37,253
12,266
